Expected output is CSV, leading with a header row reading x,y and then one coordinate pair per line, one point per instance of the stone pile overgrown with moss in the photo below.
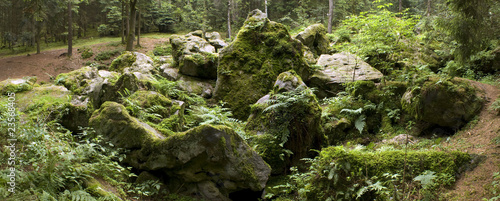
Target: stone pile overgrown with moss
x,y
249,66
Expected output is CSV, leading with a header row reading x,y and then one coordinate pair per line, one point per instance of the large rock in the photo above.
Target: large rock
x,y
215,40
292,124
124,131
204,88
194,56
17,85
210,161
338,69
100,86
249,66
445,103
314,37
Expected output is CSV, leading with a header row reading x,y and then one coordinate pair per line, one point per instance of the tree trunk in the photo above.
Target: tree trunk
x,y
131,32
70,31
122,34
127,20
400,5
265,7
330,15
229,19
428,8
138,28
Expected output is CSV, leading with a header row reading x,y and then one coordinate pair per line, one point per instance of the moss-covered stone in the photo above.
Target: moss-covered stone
x,y
444,102
339,168
213,154
338,69
123,61
100,188
17,85
202,65
249,66
114,122
293,123
47,102
314,37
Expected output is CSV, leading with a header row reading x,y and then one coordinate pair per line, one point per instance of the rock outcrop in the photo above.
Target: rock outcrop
x,y
338,69
293,125
210,161
194,56
314,37
445,103
249,66
17,85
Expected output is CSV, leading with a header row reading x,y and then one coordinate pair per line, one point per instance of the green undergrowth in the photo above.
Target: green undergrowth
x,y
358,173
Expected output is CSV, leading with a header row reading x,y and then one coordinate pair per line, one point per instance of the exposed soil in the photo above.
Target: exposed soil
x,y
49,64
478,140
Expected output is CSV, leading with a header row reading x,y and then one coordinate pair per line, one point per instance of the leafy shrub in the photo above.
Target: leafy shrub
x,y
85,52
104,30
162,50
106,55
496,106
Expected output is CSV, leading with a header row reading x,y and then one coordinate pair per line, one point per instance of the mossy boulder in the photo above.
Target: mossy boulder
x,y
215,40
340,169
211,161
287,120
201,87
449,103
194,56
114,122
156,103
17,85
249,66
78,114
203,157
123,61
337,69
48,102
314,37
202,65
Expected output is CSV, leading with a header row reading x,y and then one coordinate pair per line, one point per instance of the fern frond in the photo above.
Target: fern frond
x,y
360,123
351,111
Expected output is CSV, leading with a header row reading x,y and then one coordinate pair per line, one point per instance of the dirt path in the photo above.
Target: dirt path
x,y
51,63
474,184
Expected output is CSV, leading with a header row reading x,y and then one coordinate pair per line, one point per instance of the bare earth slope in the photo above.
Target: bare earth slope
x,y
478,139
52,62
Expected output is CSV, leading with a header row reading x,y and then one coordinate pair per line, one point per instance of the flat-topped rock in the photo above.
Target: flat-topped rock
x,y
340,68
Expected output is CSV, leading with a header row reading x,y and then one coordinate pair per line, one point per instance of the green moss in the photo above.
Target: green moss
x,y
123,61
48,102
356,165
17,85
445,102
77,80
115,123
249,66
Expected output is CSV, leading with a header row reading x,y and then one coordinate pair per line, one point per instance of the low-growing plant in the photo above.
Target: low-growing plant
x,y
106,55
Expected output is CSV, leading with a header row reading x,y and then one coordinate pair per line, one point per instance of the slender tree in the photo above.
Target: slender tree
x,y
70,30
229,19
131,31
428,8
400,6
331,6
138,27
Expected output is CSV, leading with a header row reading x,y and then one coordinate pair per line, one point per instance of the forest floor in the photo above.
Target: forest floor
x,y
480,138
49,64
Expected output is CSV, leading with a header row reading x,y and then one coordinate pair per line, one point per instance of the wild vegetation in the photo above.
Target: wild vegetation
x,y
234,117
